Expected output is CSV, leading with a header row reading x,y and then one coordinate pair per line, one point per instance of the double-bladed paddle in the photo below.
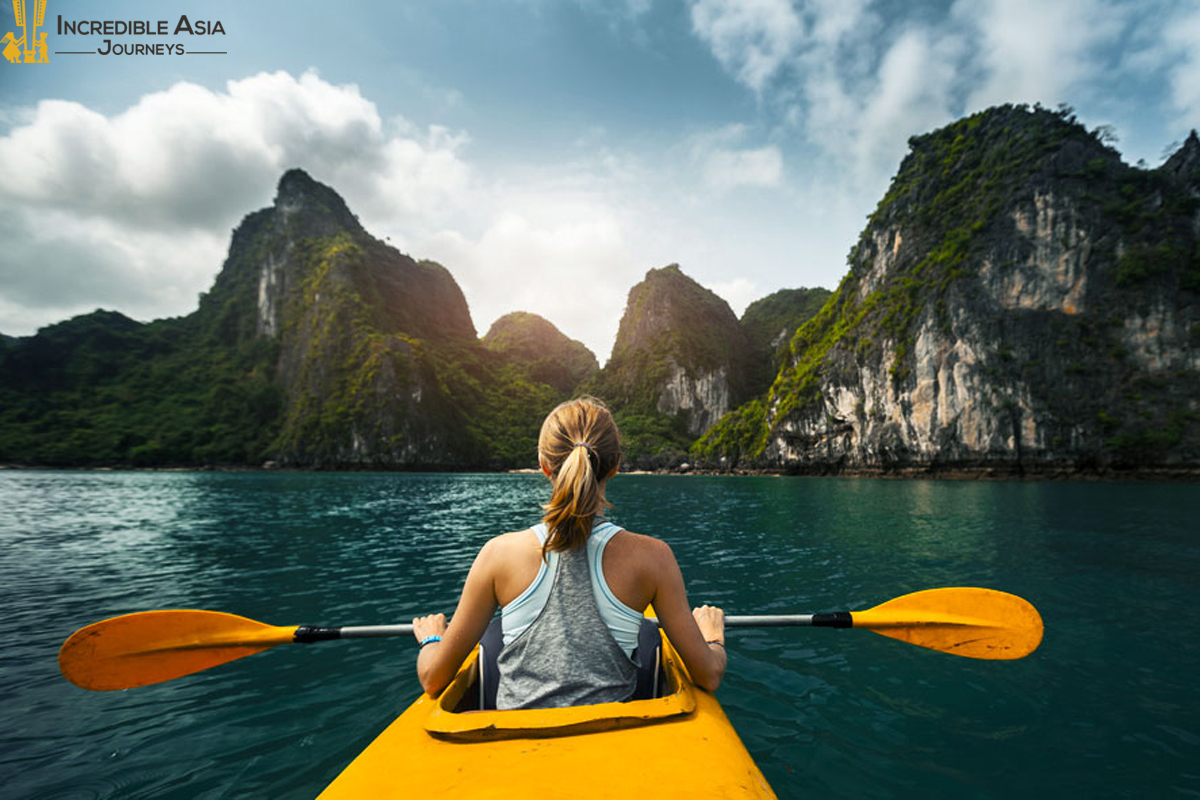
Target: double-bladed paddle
x,y
155,646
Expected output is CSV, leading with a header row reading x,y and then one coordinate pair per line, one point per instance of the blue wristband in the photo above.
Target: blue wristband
x,y
430,640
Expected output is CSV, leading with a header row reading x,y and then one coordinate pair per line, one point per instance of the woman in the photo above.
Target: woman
x,y
571,590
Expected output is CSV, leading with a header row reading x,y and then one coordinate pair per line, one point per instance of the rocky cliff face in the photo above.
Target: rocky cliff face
x,y
678,364
701,399
1020,301
360,330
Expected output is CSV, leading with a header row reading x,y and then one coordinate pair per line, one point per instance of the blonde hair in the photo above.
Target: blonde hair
x,y
581,447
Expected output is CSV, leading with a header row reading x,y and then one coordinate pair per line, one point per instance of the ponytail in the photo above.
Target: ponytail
x,y
580,446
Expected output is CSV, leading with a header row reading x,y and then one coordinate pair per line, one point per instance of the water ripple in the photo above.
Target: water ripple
x,y
1105,708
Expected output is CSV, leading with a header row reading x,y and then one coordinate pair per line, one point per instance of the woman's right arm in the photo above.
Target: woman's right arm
x,y
438,662
698,636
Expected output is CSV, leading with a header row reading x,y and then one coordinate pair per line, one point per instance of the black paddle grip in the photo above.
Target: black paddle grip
x,y
834,619
307,634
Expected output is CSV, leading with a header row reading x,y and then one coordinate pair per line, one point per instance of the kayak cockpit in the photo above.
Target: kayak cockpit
x,y
456,714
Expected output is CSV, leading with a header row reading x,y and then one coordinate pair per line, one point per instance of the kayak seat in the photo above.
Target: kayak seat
x,y
646,654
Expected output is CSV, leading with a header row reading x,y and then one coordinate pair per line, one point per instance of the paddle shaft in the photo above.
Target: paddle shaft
x,y
835,619
306,634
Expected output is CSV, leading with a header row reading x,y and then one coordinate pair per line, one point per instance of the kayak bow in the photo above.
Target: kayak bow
x,y
679,744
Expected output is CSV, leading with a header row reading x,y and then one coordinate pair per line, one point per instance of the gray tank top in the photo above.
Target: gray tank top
x,y
567,656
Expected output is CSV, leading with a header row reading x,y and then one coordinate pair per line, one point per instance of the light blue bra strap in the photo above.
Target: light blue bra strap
x,y
604,530
600,537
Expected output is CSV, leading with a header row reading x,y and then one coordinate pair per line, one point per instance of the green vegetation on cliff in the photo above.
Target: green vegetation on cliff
x,y
769,324
948,213
770,321
104,389
539,351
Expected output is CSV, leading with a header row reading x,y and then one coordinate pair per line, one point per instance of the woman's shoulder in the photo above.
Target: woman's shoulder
x,y
639,563
510,545
512,539
644,546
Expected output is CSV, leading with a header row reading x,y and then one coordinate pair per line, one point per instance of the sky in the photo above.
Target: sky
x,y
547,152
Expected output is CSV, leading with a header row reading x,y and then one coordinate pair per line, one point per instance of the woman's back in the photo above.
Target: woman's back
x,y
623,621
579,451
560,648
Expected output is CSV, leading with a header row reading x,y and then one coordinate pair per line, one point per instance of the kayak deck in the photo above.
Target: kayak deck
x,y
680,744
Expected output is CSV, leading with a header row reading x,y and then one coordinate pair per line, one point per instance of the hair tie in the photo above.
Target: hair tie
x,y
587,447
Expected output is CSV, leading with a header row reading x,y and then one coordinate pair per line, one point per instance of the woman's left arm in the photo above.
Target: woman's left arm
x,y
438,662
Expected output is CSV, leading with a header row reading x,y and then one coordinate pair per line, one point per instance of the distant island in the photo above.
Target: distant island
x,y
1020,303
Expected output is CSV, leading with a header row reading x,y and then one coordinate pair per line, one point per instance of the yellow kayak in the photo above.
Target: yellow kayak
x,y
679,744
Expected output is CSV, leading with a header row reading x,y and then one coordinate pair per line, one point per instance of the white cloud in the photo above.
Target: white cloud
x,y
1031,50
859,94
725,169
752,39
854,79
848,83
186,156
723,165
190,157
832,22
913,94
134,210
1182,36
54,261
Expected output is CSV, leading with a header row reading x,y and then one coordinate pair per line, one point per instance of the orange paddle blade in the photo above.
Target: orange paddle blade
x,y
971,622
156,646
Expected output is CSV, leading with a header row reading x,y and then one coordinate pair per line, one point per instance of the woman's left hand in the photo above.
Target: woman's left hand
x,y
711,621
432,625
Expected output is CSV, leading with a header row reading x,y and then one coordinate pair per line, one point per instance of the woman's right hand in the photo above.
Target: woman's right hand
x,y
711,621
432,625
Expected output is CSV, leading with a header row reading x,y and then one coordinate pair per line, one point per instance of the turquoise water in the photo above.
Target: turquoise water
x,y
1108,707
